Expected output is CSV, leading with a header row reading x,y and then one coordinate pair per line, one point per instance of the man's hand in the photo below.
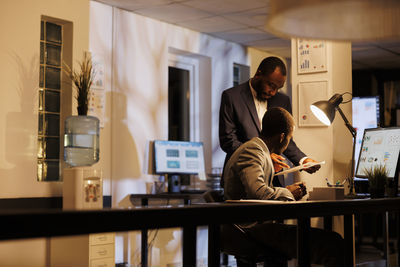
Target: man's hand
x,y
313,168
277,160
298,190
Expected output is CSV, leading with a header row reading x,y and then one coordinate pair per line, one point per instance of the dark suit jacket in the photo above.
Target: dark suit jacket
x,y
238,120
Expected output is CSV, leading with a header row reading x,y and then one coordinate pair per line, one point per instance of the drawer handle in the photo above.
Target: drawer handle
x,y
102,252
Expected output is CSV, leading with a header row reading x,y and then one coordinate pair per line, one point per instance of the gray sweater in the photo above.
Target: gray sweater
x,y
249,172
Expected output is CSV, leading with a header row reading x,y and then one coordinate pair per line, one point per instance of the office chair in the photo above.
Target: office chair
x,y
236,242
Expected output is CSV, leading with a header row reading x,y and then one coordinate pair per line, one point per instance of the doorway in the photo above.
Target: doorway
x,y
178,104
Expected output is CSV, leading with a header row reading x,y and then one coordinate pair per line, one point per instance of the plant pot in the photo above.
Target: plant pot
x,y
81,140
377,192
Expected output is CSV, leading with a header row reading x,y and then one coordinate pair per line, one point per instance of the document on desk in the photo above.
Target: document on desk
x,y
300,167
268,201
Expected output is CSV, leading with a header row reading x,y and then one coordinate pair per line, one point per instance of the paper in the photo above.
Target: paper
x,y
269,201
300,167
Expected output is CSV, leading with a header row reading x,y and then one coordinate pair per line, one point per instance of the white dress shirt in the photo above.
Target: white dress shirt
x,y
261,106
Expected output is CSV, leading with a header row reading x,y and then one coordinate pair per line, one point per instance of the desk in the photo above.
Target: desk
x,y
47,223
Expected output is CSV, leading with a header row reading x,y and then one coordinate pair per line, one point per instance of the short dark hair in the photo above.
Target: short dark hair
x,y
276,121
269,64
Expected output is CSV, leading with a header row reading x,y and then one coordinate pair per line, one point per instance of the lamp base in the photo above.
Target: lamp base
x,y
352,191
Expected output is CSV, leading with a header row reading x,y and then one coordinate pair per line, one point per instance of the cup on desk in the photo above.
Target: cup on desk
x,y
150,188
159,187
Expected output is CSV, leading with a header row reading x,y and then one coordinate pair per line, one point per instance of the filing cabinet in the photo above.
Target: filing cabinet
x,y
93,250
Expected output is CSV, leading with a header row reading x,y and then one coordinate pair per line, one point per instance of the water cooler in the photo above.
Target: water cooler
x,y
82,189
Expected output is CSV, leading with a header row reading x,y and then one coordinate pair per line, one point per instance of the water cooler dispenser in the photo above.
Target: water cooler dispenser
x,y
82,189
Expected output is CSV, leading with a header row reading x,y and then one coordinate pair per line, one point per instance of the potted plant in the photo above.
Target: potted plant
x,y
377,178
81,133
82,80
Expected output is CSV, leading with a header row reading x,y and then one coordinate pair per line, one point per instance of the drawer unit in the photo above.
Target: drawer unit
x,y
94,250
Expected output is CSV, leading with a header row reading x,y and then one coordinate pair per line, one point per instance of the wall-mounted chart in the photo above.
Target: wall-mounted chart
x,y
311,56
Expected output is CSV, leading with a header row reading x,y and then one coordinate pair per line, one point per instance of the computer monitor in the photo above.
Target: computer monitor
x,y
380,146
365,115
178,157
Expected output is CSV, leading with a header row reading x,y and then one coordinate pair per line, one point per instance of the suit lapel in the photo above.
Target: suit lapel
x,y
248,99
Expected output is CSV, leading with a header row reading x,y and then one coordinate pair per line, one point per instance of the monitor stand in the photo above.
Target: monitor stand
x,y
174,185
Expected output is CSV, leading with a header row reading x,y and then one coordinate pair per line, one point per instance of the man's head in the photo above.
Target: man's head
x,y
269,78
277,129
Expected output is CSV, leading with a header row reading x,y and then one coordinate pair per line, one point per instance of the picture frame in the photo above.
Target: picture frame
x,y
308,93
311,56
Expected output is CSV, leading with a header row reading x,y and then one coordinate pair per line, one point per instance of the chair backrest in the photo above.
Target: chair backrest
x,y
234,241
214,196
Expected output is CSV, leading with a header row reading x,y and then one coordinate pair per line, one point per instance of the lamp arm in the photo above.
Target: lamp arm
x,y
348,125
354,134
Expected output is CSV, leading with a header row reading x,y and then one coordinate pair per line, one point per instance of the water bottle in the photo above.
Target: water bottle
x,y
81,140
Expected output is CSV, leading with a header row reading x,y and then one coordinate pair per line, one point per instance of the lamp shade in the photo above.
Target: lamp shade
x,y
348,20
325,110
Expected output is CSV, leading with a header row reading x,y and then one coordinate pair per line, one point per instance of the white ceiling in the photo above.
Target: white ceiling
x,y
242,21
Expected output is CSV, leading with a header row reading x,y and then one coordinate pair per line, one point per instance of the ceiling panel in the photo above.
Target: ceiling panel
x,y
137,4
173,13
243,35
372,54
271,43
254,17
225,6
211,24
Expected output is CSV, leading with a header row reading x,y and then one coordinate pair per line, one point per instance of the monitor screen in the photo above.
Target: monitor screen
x,y
178,157
379,146
365,115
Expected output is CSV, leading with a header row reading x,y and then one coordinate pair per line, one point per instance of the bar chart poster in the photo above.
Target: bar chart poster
x,y
311,56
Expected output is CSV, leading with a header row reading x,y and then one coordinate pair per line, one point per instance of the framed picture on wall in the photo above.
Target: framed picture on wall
x,y
308,93
311,56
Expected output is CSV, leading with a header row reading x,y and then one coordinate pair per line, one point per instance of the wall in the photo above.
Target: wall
x,y
19,98
19,73
19,95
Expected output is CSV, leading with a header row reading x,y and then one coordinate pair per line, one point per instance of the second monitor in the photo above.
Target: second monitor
x,y
175,158
380,146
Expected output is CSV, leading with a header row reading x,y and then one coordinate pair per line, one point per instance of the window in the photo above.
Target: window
x,y
48,154
236,74
241,73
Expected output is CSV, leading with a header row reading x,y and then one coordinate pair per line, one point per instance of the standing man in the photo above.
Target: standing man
x,y
248,175
243,107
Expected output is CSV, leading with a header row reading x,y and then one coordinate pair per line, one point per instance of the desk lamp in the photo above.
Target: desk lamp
x,y
325,112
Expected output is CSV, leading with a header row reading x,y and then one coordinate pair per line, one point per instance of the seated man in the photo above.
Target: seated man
x,y
248,175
